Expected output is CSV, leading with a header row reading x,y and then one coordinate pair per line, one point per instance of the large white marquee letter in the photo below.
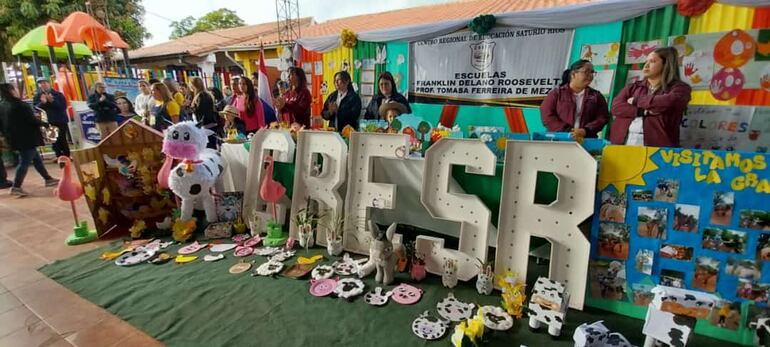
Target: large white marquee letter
x,y
468,210
362,193
319,180
522,218
281,147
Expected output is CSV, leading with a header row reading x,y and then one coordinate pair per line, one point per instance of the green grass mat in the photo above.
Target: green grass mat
x,y
202,304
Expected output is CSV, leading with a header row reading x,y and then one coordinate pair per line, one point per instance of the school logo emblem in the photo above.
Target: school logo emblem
x,y
482,55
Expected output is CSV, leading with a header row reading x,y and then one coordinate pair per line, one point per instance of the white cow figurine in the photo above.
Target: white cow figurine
x,y
597,335
381,254
762,333
193,178
548,305
672,314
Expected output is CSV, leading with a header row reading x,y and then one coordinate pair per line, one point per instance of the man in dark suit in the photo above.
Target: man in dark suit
x,y
55,106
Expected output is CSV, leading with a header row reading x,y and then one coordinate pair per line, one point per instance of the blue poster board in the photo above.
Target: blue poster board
x,y
695,219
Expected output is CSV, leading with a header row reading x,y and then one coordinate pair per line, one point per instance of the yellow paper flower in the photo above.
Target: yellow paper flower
x,y
137,229
473,329
148,154
348,38
90,192
133,156
459,333
104,215
182,230
106,196
512,294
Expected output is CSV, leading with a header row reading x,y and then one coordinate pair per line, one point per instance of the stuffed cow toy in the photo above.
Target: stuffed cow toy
x,y
192,179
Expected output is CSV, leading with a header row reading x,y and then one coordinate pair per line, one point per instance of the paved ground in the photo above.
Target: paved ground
x,y
34,310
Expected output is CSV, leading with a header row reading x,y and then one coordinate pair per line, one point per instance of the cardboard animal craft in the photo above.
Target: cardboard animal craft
x,y
548,305
194,177
598,335
666,327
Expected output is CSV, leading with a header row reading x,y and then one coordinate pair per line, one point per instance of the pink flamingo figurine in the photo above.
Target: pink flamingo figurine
x,y
271,190
71,190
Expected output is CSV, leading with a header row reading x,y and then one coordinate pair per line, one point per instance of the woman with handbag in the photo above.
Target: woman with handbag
x,y
22,131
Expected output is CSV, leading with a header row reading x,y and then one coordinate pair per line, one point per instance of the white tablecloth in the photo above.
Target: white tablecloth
x,y
406,174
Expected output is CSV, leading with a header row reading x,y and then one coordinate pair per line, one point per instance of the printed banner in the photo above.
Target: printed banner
x,y
85,119
731,128
127,86
505,66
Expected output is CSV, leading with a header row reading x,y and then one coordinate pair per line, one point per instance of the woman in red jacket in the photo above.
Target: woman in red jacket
x,y
574,106
649,112
297,101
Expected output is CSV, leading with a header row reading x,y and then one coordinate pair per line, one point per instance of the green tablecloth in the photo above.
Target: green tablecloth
x,y
201,304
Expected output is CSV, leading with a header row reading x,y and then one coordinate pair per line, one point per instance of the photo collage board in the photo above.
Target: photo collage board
x,y
694,219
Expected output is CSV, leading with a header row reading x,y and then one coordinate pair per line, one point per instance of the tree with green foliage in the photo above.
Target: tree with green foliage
x,y
219,19
17,17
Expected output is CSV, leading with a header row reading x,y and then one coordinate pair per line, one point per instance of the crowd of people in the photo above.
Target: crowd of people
x,y
647,112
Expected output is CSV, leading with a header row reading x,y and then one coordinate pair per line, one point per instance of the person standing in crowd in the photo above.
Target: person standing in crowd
x,y
204,110
144,102
4,182
276,88
219,99
283,88
22,131
343,106
249,106
55,106
188,95
105,110
386,93
173,88
574,106
165,111
235,85
649,112
255,80
126,109
297,100
227,93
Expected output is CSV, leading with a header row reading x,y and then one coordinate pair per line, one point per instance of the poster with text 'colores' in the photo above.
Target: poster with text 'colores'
x,y
732,128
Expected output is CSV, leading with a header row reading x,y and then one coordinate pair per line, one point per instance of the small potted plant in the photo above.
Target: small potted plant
x,y
304,220
405,254
335,227
417,272
254,223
